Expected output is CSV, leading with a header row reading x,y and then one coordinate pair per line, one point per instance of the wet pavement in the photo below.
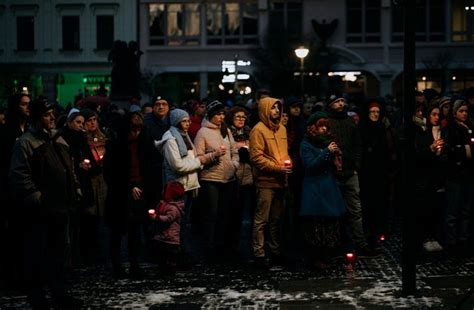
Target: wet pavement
x,y
444,282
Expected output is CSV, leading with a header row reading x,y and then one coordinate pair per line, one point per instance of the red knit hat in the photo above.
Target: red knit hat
x,y
173,191
374,104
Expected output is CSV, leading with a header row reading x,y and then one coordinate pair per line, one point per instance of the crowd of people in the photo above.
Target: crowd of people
x,y
186,182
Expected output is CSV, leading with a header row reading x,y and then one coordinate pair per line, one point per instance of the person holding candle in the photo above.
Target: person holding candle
x,y
268,147
167,226
430,178
459,179
182,164
322,203
217,179
92,238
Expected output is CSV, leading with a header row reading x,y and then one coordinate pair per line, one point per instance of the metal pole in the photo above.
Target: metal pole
x,y
302,76
408,151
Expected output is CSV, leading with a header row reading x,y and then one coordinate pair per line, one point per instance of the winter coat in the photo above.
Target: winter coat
x,y
209,139
456,137
167,222
176,168
321,194
268,148
42,174
347,137
117,165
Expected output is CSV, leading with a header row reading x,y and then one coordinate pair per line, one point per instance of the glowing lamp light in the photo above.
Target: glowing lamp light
x,y
301,52
424,78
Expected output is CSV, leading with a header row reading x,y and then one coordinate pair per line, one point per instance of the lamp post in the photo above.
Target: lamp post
x,y
301,52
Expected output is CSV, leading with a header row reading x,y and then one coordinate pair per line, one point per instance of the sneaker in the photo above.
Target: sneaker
x,y
436,246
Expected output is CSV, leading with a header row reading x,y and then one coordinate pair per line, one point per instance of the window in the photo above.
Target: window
x,y
105,32
175,24
288,17
70,33
25,33
463,21
232,22
430,21
363,21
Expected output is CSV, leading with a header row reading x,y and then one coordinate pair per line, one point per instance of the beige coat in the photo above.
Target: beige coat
x,y
208,139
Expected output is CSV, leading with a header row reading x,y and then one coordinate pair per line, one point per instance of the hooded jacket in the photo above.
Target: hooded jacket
x,y
268,148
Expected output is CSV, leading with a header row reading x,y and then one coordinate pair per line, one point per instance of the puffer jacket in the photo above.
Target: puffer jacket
x,y
268,148
168,222
209,139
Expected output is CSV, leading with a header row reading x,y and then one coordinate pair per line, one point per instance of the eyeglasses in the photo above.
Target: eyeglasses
x,y
240,117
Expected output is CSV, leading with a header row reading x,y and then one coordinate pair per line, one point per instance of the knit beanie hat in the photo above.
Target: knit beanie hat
x,y
173,191
333,97
373,104
213,108
176,116
457,104
292,100
444,101
38,107
316,116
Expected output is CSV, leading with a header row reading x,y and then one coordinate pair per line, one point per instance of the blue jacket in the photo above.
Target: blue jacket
x,y
321,194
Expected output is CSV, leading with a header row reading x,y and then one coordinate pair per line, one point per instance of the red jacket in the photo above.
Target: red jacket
x,y
169,222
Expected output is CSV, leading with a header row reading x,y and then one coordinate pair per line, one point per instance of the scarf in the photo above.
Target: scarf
x,y
319,141
180,140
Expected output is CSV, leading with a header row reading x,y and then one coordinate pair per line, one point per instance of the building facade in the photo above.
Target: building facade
x,y
354,45
60,48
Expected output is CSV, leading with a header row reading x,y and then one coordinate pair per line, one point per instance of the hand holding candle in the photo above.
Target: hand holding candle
x,y
152,213
85,164
287,166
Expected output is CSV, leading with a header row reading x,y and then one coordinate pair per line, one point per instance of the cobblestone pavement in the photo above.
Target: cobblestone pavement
x,y
373,283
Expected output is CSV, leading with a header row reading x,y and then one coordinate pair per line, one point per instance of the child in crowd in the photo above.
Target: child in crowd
x,y
167,217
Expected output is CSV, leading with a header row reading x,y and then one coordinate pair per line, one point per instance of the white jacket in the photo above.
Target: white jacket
x,y
176,168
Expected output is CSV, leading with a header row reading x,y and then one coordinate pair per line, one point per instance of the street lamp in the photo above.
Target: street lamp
x,y
301,52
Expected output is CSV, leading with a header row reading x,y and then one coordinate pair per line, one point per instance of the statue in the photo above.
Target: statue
x,y
324,30
125,69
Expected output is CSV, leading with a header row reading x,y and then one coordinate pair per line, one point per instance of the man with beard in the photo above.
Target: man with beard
x,y
269,156
42,182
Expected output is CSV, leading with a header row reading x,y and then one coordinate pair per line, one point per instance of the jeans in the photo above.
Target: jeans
x,y
350,191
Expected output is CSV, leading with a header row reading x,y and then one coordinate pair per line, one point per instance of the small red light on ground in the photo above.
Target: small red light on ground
x,y
382,237
350,257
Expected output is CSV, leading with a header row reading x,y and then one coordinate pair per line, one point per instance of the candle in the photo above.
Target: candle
x,y
350,257
287,163
151,211
382,238
86,161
